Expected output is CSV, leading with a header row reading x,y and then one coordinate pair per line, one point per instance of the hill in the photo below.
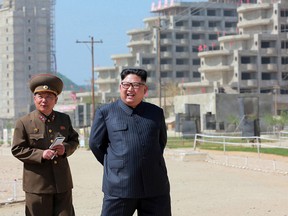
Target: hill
x,y
69,85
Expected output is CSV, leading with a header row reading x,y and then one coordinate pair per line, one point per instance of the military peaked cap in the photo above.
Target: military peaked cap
x,y
46,83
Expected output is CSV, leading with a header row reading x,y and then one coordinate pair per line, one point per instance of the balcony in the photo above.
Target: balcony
x,y
166,41
254,23
182,67
284,51
199,28
139,43
270,50
249,83
166,67
268,83
269,67
282,98
214,53
215,29
234,38
216,68
245,8
284,67
248,67
151,67
284,83
182,41
181,28
166,55
137,31
182,54
106,80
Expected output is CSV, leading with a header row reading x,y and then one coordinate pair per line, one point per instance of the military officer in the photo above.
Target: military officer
x,y
47,179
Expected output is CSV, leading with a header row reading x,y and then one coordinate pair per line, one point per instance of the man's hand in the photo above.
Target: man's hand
x,y
49,154
58,150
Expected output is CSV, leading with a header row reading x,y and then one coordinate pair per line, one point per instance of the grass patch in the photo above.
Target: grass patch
x,y
219,147
178,142
275,151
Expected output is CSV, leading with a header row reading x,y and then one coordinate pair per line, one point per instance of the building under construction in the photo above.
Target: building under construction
x,y
27,47
226,58
168,44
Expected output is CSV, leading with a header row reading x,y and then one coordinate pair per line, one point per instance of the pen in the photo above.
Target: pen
x,y
54,155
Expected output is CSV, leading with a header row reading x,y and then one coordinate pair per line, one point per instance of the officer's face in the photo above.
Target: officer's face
x,y
45,102
132,90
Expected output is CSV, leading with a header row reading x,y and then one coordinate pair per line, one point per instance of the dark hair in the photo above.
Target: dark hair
x,y
137,71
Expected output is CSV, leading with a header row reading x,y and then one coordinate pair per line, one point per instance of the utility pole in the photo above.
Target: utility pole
x,y
275,98
91,42
159,60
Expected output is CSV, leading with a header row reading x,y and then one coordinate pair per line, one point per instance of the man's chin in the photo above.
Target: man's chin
x,y
44,111
129,102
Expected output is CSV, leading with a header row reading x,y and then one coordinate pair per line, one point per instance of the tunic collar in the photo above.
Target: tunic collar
x,y
45,118
129,110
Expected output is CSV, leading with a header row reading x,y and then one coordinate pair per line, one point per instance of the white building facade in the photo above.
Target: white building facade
x,y
26,49
250,67
255,60
173,38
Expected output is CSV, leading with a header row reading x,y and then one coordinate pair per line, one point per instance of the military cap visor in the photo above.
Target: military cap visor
x,y
46,83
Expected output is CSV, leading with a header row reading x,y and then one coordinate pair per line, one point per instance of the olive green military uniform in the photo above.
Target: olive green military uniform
x,y
45,181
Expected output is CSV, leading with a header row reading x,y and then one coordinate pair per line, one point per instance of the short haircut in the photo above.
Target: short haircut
x,y
137,71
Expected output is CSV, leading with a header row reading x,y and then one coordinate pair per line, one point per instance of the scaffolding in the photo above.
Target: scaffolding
x,y
52,38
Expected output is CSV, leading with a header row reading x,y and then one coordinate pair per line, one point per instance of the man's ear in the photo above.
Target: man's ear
x,y
145,90
56,99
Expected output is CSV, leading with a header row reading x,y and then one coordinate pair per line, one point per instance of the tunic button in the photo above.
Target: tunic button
x,y
50,131
55,162
48,120
51,141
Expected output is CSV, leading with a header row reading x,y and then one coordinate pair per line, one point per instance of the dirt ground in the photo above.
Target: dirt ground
x,y
198,187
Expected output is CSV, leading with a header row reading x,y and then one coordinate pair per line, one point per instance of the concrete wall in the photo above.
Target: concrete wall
x,y
224,106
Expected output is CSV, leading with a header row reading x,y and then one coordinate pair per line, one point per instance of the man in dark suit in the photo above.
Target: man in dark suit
x,y
47,180
128,138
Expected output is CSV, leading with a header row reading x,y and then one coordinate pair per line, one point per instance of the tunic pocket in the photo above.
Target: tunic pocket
x,y
116,164
36,136
119,127
117,133
36,140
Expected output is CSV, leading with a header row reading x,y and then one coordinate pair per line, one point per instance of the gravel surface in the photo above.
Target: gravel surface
x,y
199,186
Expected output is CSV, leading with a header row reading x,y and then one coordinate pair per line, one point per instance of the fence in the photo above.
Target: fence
x,y
11,191
245,160
10,183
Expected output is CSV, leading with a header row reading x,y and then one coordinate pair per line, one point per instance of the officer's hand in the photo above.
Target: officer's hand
x,y
49,154
59,149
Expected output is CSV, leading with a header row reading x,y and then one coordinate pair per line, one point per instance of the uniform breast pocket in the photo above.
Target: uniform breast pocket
x,y
118,131
37,140
119,127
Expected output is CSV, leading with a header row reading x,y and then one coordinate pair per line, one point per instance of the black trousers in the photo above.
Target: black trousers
x,y
49,204
150,206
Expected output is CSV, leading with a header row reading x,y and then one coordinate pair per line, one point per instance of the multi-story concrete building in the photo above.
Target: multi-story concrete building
x,y
169,43
26,48
251,67
243,53
253,61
